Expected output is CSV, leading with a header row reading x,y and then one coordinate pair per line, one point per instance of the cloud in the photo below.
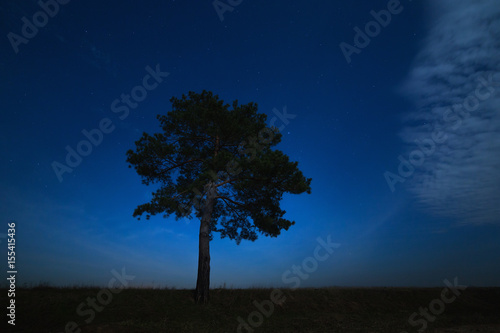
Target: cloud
x,y
455,84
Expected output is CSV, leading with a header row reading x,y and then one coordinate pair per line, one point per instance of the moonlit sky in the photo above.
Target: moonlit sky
x,y
348,124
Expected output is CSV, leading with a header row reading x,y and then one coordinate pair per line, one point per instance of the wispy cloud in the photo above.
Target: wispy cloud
x,y
455,83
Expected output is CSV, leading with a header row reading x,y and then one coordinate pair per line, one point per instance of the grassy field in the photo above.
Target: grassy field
x,y
46,309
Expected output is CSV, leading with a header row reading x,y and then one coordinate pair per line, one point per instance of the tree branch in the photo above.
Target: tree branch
x,y
230,200
227,181
181,164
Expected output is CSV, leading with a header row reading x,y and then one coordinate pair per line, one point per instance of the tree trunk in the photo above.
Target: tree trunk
x,y
203,281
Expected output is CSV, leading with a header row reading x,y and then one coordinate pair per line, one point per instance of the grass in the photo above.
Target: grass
x,y
48,309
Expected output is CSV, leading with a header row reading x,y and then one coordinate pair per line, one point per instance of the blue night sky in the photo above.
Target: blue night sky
x,y
354,108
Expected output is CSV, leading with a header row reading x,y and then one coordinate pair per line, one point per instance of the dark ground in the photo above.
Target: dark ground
x,y
46,309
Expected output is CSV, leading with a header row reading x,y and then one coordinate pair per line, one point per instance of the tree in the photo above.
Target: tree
x,y
217,164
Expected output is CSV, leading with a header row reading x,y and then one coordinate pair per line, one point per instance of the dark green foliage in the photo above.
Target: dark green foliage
x,y
205,143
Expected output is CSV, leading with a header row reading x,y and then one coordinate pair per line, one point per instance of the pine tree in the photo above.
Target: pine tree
x,y
216,163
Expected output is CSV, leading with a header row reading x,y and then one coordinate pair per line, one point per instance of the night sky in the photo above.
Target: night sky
x,y
349,96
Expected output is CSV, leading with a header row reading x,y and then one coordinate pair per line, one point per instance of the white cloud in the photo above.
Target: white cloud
x,y
461,179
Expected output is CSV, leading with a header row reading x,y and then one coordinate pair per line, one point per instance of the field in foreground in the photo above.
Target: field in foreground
x,y
46,309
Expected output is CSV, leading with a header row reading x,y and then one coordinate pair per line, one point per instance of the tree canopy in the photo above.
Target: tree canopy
x,y
204,142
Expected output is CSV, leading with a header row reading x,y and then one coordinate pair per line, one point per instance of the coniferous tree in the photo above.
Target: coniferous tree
x,y
216,163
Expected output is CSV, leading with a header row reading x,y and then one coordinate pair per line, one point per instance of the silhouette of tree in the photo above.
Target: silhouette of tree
x,y
217,164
